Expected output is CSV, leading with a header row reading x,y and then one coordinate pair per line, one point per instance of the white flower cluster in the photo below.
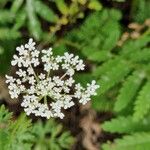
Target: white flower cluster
x,y
46,94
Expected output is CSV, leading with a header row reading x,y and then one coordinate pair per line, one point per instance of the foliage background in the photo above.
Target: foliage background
x,y
113,37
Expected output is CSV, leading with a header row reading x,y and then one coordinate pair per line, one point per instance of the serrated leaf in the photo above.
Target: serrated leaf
x,y
142,103
50,136
112,36
65,140
100,56
113,76
125,124
136,141
4,114
105,67
128,91
134,45
102,104
140,56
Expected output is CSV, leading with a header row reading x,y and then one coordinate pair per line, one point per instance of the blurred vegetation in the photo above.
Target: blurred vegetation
x,y
117,56
38,136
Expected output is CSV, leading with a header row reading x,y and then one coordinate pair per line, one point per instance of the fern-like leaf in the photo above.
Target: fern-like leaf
x,y
136,141
140,56
102,104
113,76
4,115
142,104
50,136
125,124
105,67
128,91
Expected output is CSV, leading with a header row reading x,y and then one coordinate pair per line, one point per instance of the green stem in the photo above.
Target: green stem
x,y
45,99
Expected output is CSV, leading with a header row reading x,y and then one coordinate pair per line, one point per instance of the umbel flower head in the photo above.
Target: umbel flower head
x,y
47,93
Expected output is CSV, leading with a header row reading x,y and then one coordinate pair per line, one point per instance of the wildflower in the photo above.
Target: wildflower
x,y
46,94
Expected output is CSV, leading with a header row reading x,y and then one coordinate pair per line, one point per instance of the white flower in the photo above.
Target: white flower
x,y
14,90
65,66
35,53
35,62
58,81
70,72
58,59
17,60
80,65
21,73
67,57
30,71
47,67
47,52
30,45
55,66
67,102
69,82
42,76
22,50
31,80
47,92
9,79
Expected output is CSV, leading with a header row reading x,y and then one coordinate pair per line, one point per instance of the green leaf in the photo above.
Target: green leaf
x,y
101,103
125,124
9,49
136,141
83,78
142,103
140,10
12,34
100,56
16,5
105,67
14,134
6,16
134,45
115,14
45,12
128,91
4,115
20,20
140,56
112,32
113,76
65,140
34,24
50,136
